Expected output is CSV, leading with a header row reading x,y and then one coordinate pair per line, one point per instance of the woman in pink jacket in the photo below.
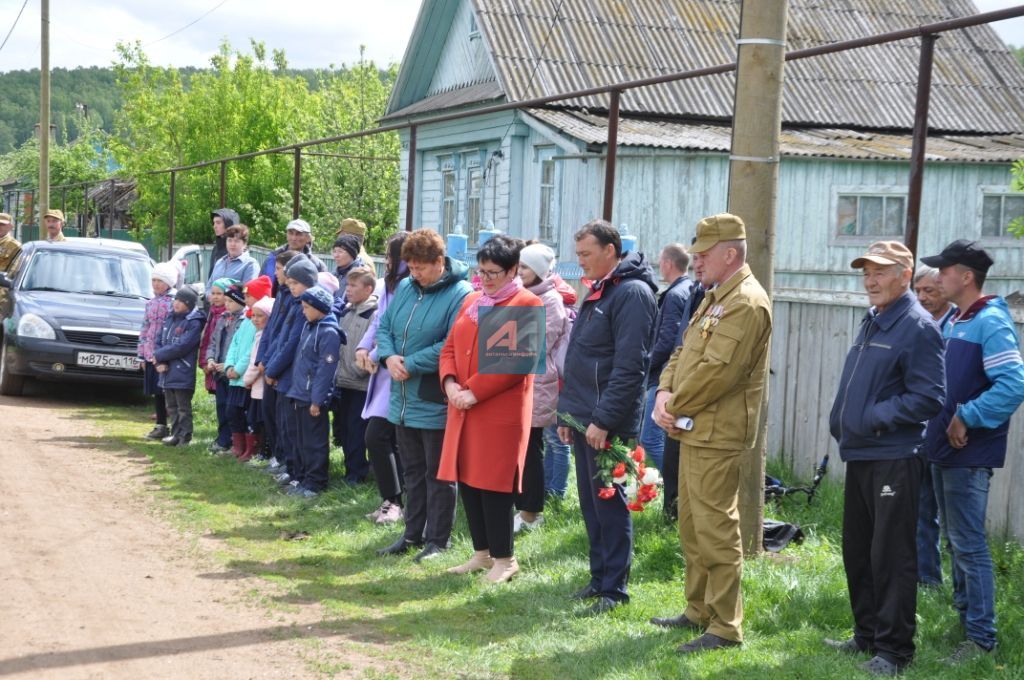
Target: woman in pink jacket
x,y
536,267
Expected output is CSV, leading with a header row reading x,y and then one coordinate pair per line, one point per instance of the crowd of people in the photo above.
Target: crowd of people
x,y
397,371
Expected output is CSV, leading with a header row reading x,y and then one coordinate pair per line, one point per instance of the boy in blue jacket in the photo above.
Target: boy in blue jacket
x,y
175,353
312,387
300,275
264,351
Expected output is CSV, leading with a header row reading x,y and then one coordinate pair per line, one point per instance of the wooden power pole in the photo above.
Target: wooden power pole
x,y
753,183
43,200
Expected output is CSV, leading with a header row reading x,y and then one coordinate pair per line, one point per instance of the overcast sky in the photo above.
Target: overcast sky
x,y
313,33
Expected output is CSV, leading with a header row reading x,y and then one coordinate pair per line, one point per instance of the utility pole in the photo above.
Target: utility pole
x,y
43,201
753,187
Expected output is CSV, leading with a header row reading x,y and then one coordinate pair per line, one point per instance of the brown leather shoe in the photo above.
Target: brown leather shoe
x,y
706,643
677,622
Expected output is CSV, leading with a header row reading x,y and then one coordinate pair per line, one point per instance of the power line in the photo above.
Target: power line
x,y
14,24
188,25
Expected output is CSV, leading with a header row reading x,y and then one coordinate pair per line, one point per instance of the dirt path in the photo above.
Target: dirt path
x,y
93,584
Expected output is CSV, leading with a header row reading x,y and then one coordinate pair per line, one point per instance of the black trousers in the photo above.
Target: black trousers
x,y
531,499
270,434
429,503
220,398
313,445
489,515
288,437
383,449
161,408
670,473
349,430
880,554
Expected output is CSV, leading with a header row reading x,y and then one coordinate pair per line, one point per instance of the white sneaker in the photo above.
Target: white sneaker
x,y
392,515
372,516
519,524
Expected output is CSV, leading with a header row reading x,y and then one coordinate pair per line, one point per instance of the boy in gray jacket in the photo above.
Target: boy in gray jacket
x,y
351,380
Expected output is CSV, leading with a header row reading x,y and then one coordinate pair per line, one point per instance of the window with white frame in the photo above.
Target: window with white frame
x,y
474,204
999,209
870,214
449,196
548,195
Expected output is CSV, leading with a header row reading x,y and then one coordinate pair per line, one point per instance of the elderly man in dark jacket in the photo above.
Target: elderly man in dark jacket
x,y
891,385
605,378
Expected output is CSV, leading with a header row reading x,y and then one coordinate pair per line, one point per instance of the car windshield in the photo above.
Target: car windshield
x,y
82,272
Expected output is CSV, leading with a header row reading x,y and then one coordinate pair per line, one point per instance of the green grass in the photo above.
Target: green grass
x,y
426,623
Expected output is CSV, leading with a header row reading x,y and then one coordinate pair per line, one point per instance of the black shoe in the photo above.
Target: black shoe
x,y
585,593
429,552
602,605
399,547
158,432
706,643
846,646
677,622
170,441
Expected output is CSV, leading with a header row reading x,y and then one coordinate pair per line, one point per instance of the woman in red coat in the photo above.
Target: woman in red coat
x,y
488,425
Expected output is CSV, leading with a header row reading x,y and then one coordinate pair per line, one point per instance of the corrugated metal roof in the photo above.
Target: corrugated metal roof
x,y
977,84
816,142
473,94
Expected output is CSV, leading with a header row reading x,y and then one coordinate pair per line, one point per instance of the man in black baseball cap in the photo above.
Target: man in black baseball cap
x,y
968,439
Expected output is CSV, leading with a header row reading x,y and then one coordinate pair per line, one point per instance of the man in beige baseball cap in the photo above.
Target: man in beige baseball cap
x,y
54,221
9,247
888,269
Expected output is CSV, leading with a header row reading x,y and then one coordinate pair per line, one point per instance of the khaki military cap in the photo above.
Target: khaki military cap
x,y
723,227
5,219
886,253
350,225
53,212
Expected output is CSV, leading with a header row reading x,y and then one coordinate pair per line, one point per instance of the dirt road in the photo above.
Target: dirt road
x,y
93,584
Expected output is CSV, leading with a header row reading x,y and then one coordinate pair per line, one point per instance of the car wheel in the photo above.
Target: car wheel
x,y
11,385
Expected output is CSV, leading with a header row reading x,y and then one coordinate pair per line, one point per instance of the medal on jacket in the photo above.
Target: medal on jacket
x,y
711,320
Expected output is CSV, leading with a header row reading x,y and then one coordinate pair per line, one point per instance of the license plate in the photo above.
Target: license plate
x,y
119,362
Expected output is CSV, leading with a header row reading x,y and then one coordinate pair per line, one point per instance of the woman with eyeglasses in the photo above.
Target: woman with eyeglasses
x,y
490,400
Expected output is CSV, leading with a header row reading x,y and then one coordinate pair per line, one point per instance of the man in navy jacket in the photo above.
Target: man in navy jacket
x,y
984,386
892,384
605,369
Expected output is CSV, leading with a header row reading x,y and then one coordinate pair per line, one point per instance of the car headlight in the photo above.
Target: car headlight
x,y
33,326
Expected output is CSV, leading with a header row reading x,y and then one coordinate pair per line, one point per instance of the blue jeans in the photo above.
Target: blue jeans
x,y
556,463
652,437
962,495
929,559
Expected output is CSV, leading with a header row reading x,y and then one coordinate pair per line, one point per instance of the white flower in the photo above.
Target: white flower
x,y
651,476
620,480
631,487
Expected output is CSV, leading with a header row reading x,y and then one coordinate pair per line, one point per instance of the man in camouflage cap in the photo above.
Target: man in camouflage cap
x,y
9,247
709,398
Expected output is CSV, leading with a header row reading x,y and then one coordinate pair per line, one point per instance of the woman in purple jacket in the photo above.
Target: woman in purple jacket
x,y
380,433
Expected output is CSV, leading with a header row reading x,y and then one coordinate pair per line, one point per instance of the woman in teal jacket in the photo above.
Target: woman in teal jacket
x,y
409,340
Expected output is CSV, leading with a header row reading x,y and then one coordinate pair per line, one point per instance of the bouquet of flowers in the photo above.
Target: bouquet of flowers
x,y
617,464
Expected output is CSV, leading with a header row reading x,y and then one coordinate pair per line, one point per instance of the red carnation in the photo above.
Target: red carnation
x,y
638,454
607,445
619,470
647,493
606,492
636,506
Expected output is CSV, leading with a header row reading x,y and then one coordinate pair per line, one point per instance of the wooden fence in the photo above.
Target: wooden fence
x,y
813,330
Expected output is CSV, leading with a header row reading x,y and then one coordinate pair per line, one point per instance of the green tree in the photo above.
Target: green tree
x,y
246,103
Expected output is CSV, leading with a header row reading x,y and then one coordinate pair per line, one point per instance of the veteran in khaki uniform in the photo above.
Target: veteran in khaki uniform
x,y
709,398
53,220
9,246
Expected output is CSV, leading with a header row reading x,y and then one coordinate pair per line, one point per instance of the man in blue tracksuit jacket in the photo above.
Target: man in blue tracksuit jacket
x,y
312,388
891,385
606,367
984,386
